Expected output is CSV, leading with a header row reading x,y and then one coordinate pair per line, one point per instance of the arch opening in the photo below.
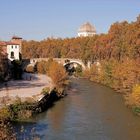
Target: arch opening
x,y
12,55
73,68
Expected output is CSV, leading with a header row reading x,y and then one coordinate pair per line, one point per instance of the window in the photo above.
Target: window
x,y
12,47
15,47
12,54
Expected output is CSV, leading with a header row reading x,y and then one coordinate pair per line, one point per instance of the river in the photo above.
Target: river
x,y
89,112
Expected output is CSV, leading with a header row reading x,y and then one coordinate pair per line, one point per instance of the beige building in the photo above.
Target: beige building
x,y
86,30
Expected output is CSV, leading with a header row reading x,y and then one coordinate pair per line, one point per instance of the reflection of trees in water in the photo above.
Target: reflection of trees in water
x,y
25,131
6,131
56,115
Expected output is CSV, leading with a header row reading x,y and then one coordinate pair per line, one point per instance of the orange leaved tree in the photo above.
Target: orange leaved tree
x,y
58,74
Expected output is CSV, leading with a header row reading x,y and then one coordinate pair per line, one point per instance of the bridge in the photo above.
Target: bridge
x,y
63,61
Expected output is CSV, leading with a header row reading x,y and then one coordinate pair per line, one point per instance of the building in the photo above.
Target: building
x,y
17,40
86,30
12,48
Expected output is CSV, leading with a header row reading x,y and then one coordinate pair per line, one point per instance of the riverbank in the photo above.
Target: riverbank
x,y
122,76
20,111
29,88
21,99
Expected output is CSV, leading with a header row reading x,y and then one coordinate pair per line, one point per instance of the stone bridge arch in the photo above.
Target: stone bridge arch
x,y
63,61
77,62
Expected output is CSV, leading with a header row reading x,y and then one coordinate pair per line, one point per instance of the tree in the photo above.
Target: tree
x,y
58,74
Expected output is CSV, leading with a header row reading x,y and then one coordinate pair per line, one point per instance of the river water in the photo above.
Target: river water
x,y
89,112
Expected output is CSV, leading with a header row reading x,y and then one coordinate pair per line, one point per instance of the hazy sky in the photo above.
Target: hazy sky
x,y
39,19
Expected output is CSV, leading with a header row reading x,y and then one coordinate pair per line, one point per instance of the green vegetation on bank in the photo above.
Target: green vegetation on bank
x,y
21,111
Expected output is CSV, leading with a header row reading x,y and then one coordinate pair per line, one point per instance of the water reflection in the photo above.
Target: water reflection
x,y
57,116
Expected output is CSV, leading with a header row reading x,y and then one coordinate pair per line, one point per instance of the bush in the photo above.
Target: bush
x,y
45,90
6,131
4,113
58,74
43,66
78,70
134,98
30,69
136,110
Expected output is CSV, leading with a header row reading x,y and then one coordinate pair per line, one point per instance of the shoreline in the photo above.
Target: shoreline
x,y
29,88
18,108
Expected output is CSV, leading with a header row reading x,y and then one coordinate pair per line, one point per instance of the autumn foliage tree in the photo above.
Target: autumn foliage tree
x,y
58,74
55,70
43,66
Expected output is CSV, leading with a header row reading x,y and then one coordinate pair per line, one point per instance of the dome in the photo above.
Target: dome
x,y
87,27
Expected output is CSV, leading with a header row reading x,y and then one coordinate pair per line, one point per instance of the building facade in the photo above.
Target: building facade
x,y
12,49
86,30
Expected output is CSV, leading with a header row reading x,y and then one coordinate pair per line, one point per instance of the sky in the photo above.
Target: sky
x,y
40,19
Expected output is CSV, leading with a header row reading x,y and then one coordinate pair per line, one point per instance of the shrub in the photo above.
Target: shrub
x,y
78,70
45,90
4,113
30,69
43,66
134,98
6,131
58,74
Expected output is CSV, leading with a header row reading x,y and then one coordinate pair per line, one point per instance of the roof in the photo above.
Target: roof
x,y
87,27
11,43
3,43
16,37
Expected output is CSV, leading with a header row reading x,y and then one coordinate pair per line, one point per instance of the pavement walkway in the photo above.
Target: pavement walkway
x,y
28,88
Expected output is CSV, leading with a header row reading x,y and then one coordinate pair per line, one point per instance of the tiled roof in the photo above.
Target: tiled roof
x,y
3,43
11,43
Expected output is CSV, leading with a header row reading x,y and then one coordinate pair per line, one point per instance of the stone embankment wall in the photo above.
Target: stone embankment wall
x,y
25,110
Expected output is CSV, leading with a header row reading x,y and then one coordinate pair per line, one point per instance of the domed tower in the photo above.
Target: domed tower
x,y
86,30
